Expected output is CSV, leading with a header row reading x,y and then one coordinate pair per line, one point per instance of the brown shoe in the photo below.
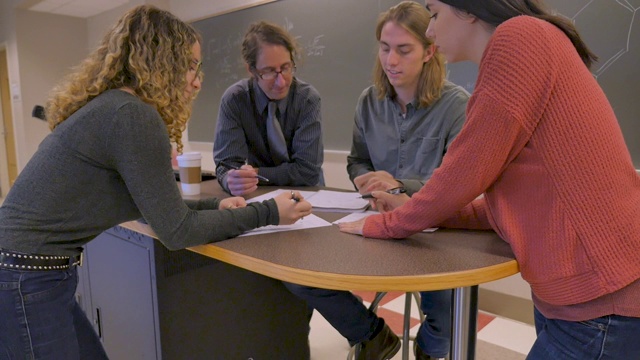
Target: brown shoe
x,y
420,355
382,347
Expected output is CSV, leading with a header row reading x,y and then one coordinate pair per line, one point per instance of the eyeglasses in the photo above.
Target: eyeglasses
x,y
285,70
197,68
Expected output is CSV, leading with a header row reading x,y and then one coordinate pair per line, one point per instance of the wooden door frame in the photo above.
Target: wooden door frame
x,y
4,163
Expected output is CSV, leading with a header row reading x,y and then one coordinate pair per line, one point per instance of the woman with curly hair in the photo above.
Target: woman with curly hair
x,y
107,161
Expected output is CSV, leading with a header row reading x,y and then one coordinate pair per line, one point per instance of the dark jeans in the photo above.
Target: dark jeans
x,y
610,337
357,323
41,319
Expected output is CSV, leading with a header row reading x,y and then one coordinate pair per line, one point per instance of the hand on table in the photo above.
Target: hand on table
x,y
242,181
354,227
383,201
232,203
292,207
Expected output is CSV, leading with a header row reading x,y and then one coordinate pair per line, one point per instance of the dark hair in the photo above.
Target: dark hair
x,y
266,32
495,12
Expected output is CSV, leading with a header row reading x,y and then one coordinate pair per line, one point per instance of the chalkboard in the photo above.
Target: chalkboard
x,y
339,48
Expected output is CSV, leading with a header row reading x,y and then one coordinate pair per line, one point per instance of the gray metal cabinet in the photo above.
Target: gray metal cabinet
x,y
119,267
150,303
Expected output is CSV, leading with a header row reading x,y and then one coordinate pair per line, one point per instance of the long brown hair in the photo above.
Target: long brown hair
x,y
495,12
414,18
149,51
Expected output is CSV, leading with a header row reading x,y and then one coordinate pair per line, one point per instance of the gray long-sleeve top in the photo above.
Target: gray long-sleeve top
x,y
108,163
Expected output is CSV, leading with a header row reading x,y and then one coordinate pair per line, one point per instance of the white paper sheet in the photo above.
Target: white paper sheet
x,y
308,222
324,200
357,216
274,193
327,200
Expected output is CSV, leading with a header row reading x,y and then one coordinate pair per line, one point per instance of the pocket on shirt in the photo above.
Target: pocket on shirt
x,y
429,145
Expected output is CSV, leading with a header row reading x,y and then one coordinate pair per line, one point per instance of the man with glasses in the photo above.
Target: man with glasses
x,y
268,129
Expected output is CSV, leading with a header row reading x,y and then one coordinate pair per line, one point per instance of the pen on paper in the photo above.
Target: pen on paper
x,y
394,191
294,197
238,168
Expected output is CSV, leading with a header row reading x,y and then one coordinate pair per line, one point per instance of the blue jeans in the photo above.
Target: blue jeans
x,y
41,318
605,338
357,323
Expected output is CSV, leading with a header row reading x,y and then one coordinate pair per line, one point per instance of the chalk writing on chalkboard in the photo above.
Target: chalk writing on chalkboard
x,y
313,47
617,23
227,59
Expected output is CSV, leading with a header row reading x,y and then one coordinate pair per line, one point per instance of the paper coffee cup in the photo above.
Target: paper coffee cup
x,y
189,165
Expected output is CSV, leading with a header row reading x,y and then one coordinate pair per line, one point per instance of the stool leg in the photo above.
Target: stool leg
x,y
406,326
376,301
416,297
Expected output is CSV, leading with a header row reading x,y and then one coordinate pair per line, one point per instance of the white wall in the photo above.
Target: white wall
x,y
40,49
45,57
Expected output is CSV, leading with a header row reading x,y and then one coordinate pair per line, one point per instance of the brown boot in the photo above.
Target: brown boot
x,y
420,355
382,347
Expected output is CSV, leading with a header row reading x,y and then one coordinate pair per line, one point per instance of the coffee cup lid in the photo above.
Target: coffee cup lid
x,y
190,155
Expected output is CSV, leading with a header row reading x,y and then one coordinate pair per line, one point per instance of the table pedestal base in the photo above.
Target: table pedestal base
x,y
464,325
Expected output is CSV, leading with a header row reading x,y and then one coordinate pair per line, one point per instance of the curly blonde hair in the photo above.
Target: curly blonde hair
x,y
149,51
415,19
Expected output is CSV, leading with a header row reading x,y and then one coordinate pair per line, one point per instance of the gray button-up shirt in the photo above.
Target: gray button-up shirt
x,y
409,147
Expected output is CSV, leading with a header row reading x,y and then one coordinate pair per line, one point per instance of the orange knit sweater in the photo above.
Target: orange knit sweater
x,y
543,144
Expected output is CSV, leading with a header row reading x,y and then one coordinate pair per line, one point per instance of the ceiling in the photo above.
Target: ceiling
x,y
77,8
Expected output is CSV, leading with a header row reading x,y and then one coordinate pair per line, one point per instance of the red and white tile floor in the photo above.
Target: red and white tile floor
x,y
498,338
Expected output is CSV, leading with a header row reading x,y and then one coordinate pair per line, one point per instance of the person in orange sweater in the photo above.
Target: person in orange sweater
x,y
544,147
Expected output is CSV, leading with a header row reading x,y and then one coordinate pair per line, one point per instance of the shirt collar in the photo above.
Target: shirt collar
x,y
413,103
262,100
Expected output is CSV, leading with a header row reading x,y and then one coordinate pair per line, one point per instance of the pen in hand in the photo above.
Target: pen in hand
x,y
295,199
227,165
394,191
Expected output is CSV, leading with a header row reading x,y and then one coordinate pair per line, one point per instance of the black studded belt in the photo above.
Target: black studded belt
x,y
36,262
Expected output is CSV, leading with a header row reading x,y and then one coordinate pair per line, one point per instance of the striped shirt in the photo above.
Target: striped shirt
x,y
241,134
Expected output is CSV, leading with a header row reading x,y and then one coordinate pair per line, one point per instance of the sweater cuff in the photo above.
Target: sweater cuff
x,y
372,227
274,217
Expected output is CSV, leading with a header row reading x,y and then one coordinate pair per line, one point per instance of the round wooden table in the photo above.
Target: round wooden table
x,y
327,258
